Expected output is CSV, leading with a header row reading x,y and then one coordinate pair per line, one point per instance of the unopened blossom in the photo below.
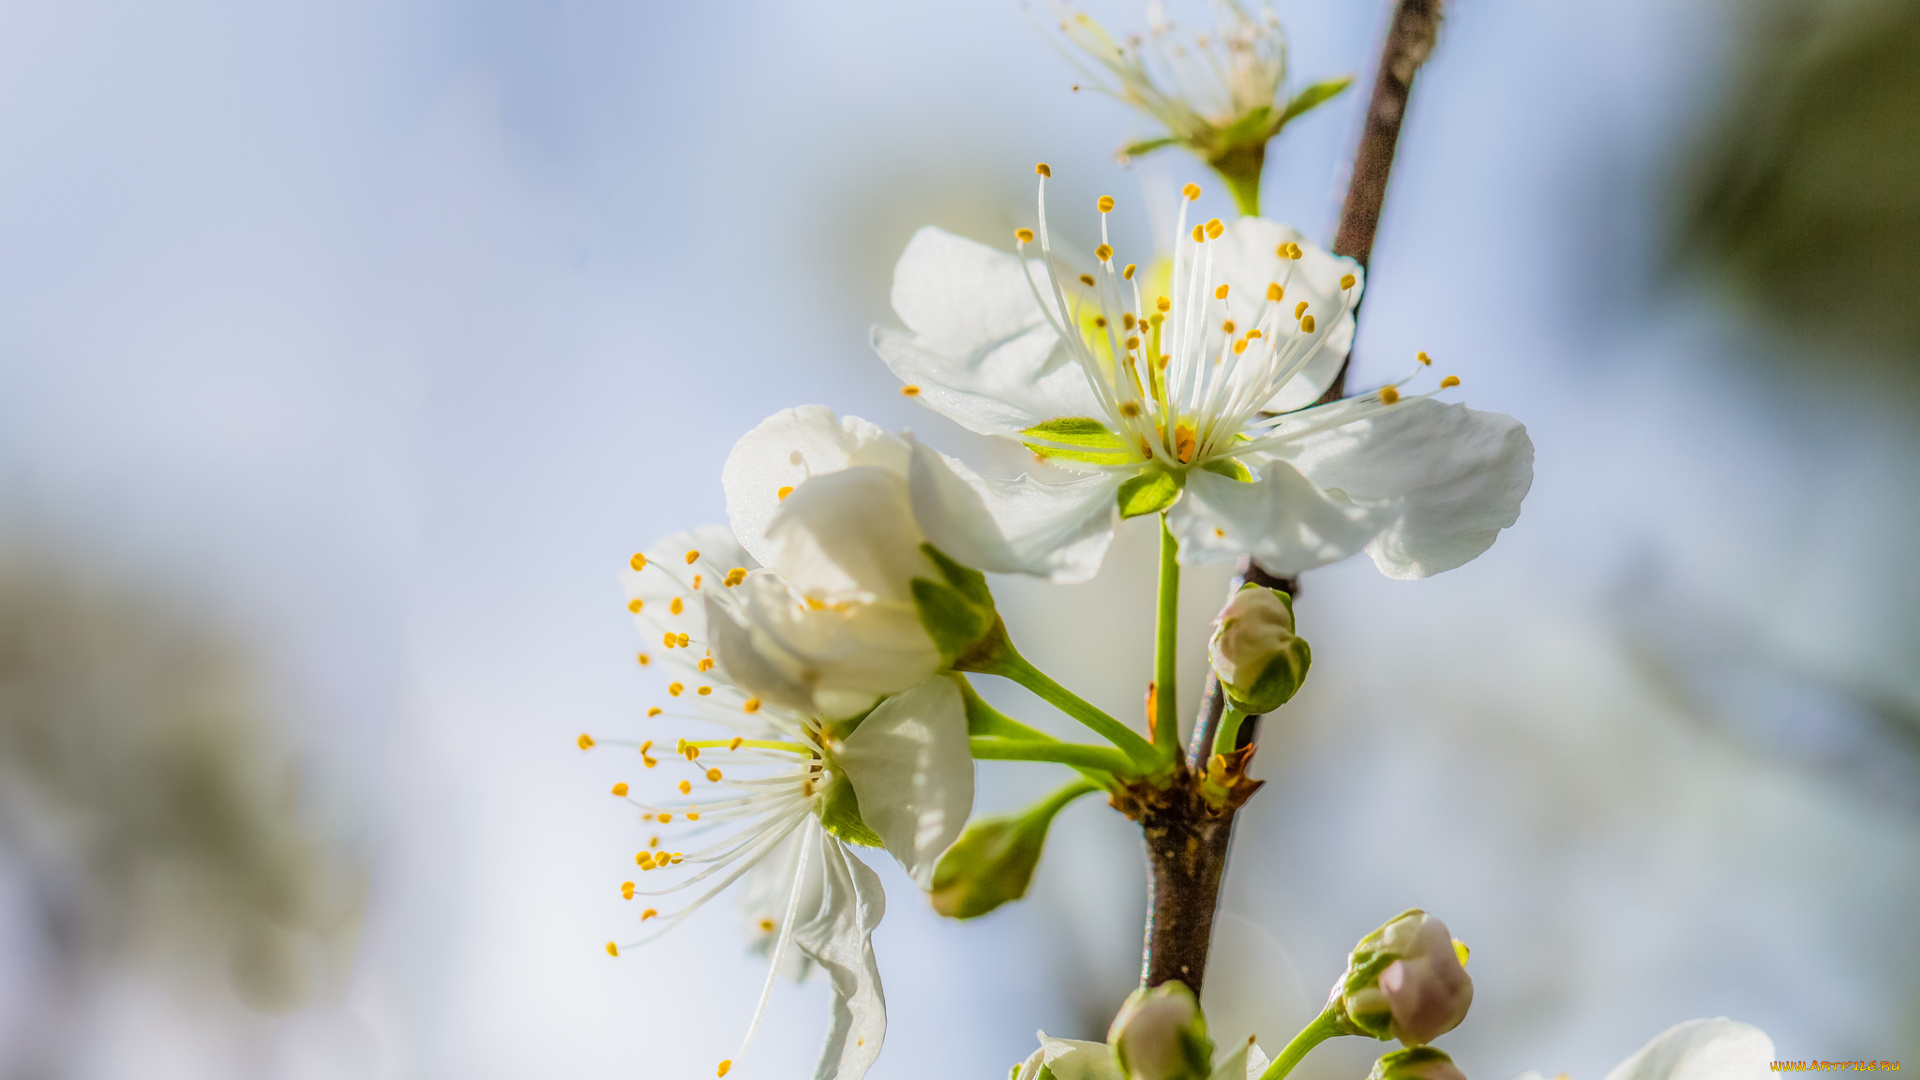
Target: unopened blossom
x,y
1256,655
1195,401
736,791
1161,1034
1220,91
1406,980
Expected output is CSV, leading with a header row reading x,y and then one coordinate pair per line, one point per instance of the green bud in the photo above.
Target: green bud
x,y
1416,1063
1259,659
1407,980
957,610
993,861
1161,1034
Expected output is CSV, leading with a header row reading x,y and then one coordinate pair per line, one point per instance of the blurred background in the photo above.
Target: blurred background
x,y
348,348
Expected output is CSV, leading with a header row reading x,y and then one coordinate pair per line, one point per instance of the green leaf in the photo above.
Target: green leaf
x,y
1312,97
1147,146
955,623
1229,468
1149,493
1076,431
840,815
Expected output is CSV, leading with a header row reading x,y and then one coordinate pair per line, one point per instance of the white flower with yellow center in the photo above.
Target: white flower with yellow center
x,y
749,791
1197,402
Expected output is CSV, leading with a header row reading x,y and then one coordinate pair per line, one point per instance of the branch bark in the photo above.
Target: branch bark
x,y
1187,841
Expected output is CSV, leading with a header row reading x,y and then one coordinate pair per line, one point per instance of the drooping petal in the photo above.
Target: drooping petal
x,y
1058,531
1246,258
1245,1062
977,345
911,768
830,661
783,451
1451,477
1280,517
772,674
1072,1059
850,536
1717,1049
839,937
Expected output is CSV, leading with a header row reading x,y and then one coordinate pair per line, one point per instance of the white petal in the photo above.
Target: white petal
x,y
1701,1050
1239,1065
912,769
1059,531
1454,478
839,937
977,343
849,536
765,890
771,674
1281,518
1075,1059
829,662
1257,1060
787,448
1246,259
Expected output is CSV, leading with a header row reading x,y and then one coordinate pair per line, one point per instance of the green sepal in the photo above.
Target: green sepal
x,y
840,815
1313,97
956,611
1075,438
1252,127
992,862
1147,146
1150,492
1231,468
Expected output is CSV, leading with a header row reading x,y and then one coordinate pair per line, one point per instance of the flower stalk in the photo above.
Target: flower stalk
x,y
1324,1027
1166,656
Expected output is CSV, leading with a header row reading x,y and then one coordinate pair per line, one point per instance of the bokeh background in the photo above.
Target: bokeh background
x,y
348,347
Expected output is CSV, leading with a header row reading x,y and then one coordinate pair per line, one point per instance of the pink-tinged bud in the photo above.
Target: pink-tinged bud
x,y
1416,1063
1259,659
1160,1034
1407,980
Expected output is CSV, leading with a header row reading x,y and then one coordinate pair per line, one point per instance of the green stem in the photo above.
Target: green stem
x,y
1324,1027
1166,720
984,719
1005,661
1240,169
1229,731
1080,756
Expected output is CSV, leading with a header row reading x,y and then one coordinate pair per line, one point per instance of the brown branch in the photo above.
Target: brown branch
x,y
1187,841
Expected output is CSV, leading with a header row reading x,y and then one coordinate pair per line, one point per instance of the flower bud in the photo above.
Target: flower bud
x,y
993,860
1416,1063
1255,653
1160,1034
1407,980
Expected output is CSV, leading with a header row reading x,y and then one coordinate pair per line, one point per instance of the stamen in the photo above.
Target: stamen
x,y
734,576
586,742
1214,229
634,605
638,562
1254,333
1388,395
692,557
1106,203
620,790
1425,360
1191,191
1044,170
704,690
1130,409
1220,293
1274,292
626,890
1164,304
785,491
683,640
1346,281
713,776
1449,382
1103,252
1023,235
725,1064
1199,234
676,606
1299,309
1132,343
1100,321
643,658
735,744
696,581
676,689
612,949
910,390
686,787
1226,327
1306,324
1128,272
1239,347
1294,252
648,914
1127,320
751,705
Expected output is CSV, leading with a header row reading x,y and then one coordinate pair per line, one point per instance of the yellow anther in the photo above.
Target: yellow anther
x,y
1299,309
638,562
648,745
1227,327
691,751
652,841
766,926
648,914
586,742
704,691
705,664
676,689
1424,359
1239,347
1306,324
910,390
735,743
644,860
1346,281
1219,534
1087,280
728,1063
612,949
1389,395
678,858
1449,382
1106,203
784,492
649,762
1025,236
1100,321
1191,191
686,787
1163,304
1128,272
664,819
1220,293
676,605
1460,950
713,776
1044,170
1132,343
735,576
1127,320
1199,234
1294,252
692,557
643,658
683,641
692,816
1185,441
1129,409
620,790
626,890
1214,229
1274,292
751,705
696,580
634,605
1103,252
670,640
1255,333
